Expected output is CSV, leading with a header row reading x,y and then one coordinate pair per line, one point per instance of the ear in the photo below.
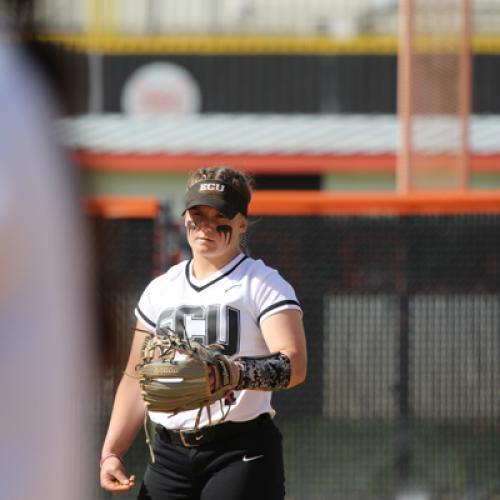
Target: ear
x,y
243,225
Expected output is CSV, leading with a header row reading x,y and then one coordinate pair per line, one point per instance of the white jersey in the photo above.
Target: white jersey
x,y
226,308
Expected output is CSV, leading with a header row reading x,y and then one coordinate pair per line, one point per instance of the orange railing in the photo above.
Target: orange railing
x,y
261,164
118,207
369,203
323,203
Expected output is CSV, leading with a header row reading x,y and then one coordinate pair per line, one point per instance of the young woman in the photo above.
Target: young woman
x,y
219,296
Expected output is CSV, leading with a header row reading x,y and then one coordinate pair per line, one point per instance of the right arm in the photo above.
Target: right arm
x,y
126,420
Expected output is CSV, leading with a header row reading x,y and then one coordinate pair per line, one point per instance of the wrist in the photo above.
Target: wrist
x,y
105,456
239,372
236,372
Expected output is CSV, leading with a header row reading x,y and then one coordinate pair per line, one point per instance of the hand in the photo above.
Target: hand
x,y
113,476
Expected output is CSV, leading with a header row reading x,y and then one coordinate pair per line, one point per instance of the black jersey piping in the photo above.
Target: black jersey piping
x,y
275,306
145,318
201,288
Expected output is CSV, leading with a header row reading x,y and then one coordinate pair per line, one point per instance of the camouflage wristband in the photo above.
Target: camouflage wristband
x,y
264,373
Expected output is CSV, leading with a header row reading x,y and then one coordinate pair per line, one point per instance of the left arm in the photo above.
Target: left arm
x,y
286,364
284,332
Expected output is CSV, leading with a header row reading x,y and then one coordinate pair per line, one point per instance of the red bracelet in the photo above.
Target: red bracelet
x,y
109,455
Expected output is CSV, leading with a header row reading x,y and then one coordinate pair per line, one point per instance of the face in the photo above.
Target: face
x,y
211,234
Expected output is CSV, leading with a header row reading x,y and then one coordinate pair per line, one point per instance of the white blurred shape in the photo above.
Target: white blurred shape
x,y
44,322
413,495
161,88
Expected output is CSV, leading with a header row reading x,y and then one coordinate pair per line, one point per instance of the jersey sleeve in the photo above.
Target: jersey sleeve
x,y
274,294
144,310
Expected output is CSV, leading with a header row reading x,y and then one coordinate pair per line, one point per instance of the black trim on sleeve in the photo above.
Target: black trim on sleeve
x,y
275,306
201,288
145,318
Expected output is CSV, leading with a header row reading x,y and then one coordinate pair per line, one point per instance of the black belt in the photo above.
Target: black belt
x,y
192,438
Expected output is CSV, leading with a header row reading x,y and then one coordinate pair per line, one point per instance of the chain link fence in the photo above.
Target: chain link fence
x,y
402,315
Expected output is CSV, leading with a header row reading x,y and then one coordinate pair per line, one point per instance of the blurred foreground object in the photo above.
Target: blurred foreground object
x,y
44,313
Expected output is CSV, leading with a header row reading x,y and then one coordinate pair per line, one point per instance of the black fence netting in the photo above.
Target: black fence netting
x,y
124,255
402,317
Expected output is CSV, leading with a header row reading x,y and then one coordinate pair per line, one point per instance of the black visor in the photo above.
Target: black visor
x,y
219,195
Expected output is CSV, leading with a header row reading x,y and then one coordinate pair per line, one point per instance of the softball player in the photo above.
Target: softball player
x,y
219,296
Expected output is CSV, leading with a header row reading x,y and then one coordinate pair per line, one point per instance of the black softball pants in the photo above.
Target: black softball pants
x,y
241,461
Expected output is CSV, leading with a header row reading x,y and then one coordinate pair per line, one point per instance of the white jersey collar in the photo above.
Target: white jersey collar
x,y
200,285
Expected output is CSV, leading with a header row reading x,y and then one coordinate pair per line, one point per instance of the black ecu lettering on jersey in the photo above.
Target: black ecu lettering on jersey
x,y
209,320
